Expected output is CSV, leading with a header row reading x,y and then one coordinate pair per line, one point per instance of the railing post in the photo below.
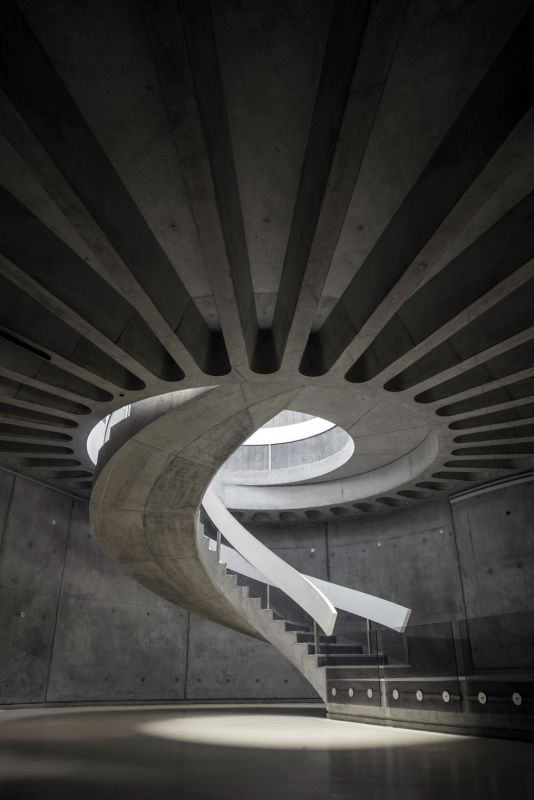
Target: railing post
x,y
268,596
405,648
316,638
219,540
369,636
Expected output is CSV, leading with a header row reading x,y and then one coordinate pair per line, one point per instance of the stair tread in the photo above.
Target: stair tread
x,y
371,662
305,638
350,660
297,626
334,649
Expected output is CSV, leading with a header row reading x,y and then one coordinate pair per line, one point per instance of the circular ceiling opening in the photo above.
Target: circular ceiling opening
x,y
289,426
291,448
99,435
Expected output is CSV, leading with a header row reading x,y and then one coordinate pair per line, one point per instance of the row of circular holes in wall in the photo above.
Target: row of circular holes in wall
x,y
338,511
342,511
517,698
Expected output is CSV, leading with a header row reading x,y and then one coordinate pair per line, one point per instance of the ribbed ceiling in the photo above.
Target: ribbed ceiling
x,y
327,194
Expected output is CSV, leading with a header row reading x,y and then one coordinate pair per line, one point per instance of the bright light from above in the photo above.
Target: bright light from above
x,y
290,433
100,433
313,426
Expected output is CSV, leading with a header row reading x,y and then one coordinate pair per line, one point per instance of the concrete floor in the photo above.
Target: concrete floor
x,y
252,752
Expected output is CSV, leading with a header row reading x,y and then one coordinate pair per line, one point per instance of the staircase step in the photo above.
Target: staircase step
x,y
256,601
351,660
336,649
352,673
298,626
309,638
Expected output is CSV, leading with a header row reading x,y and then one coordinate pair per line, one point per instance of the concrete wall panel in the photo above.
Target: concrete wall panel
x,y
27,622
227,664
114,639
407,556
34,541
495,534
6,488
91,575
115,652
302,546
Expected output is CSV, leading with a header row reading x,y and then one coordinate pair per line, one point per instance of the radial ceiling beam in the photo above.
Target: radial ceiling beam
x,y
33,248
182,38
352,81
494,256
499,102
36,90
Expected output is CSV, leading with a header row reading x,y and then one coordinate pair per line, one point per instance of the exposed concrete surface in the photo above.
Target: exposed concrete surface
x,y
35,532
89,632
262,621
496,556
95,652
408,557
215,652
148,524
210,194
229,195
291,462
332,492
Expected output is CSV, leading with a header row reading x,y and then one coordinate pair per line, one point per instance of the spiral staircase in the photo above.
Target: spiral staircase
x,y
154,471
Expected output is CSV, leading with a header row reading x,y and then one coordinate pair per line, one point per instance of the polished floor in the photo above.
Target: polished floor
x,y
253,753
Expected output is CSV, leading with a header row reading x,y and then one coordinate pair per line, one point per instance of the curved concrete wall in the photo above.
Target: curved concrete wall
x,y
299,499
288,454
315,458
89,633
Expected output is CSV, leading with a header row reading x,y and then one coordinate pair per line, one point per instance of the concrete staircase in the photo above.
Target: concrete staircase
x,y
153,474
295,640
291,639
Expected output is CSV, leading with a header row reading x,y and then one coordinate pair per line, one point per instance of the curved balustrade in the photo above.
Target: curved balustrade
x,y
288,463
277,573
254,560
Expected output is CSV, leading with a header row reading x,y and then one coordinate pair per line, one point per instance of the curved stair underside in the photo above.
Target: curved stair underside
x,y
153,473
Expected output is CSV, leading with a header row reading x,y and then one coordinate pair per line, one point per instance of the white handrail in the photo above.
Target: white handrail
x,y
368,606
277,573
249,559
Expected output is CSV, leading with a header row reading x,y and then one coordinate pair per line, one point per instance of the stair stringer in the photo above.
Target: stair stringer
x,y
262,620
